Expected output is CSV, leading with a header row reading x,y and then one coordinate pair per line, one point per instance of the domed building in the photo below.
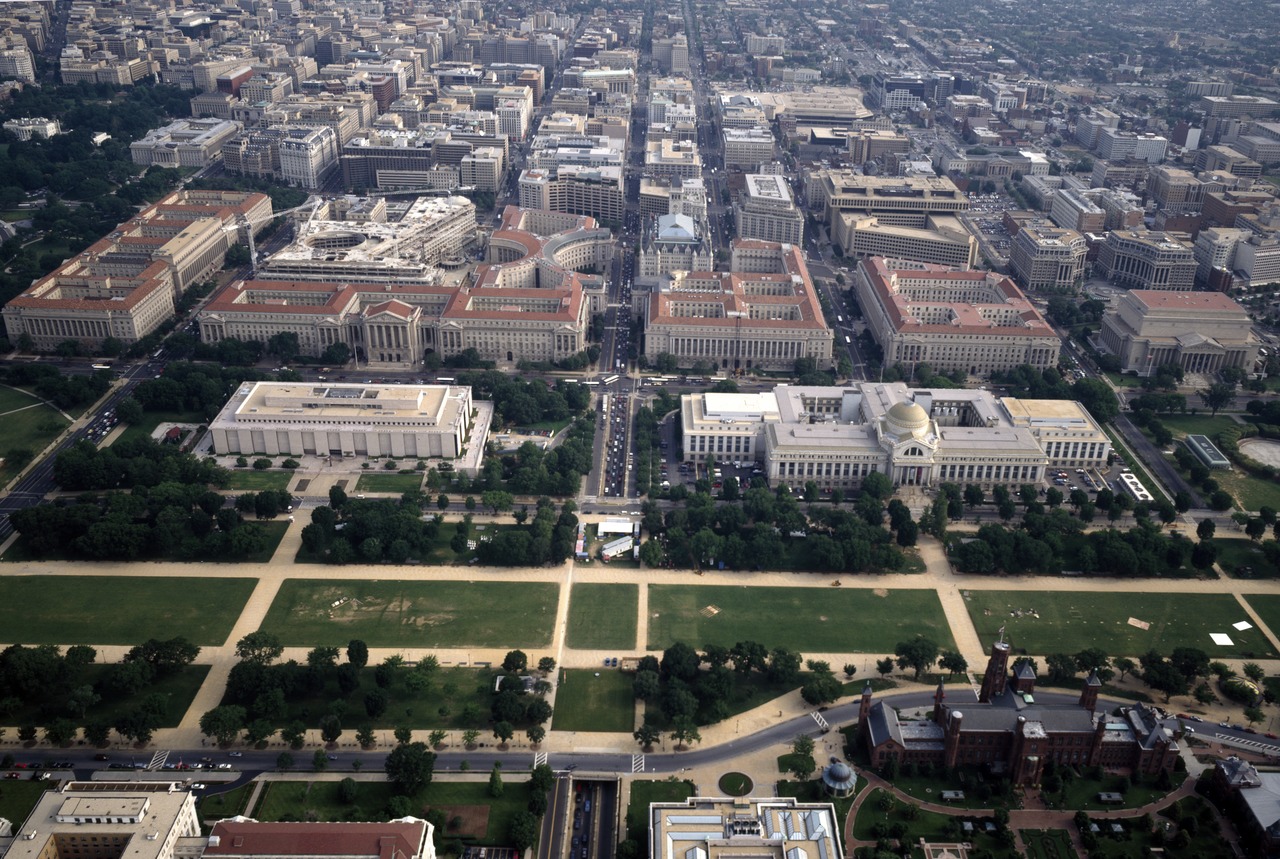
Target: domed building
x,y
839,779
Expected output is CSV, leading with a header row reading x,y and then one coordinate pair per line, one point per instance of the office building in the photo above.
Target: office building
x,y
127,285
902,200
1201,332
1147,259
771,45
941,240
1236,106
298,418
184,143
16,64
139,819
245,838
1047,258
1075,210
976,322
528,301
747,148
1175,190
575,189
763,312
672,159
765,211
308,156
1115,145
717,828
672,55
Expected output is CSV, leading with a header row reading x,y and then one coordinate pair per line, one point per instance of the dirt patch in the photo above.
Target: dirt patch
x,y
1264,450
881,592
421,620
464,821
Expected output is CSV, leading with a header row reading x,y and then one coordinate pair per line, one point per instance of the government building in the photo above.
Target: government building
x,y
1146,259
763,312
126,285
976,322
836,436
703,827
323,419
528,301
1201,332
1007,732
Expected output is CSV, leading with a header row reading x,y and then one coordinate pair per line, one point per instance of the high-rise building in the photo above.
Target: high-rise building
x,y
1146,259
1047,258
766,211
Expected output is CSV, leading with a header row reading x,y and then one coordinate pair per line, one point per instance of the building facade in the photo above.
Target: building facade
x,y
296,419
1045,258
765,211
764,312
837,436
1147,259
718,828
973,321
1201,332
127,284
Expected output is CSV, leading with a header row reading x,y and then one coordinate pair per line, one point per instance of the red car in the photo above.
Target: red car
x,y
1271,736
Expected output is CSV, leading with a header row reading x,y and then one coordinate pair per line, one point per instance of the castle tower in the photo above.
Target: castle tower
x,y
997,674
939,695
1089,692
951,738
1099,731
864,707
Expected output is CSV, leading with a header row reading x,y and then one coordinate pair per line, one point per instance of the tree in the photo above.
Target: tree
x,y
320,760
515,661
495,781
1253,671
410,767
685,732
535,734
330,728
917,654
1124,665
294,734
261,648
348,790
953,662
646,735
436,738
284,761
1163,676
523,832
365,736
1254,715
884,667
822,687
1206,529
1217,396
357,653
81,699
503,732
223,723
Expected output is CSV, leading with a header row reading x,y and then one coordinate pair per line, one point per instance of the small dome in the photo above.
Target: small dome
x,y
839,777
908,418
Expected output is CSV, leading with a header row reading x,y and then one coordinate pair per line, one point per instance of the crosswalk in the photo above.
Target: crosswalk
x,y
539,759
822,722
637,763
1268,748
158,760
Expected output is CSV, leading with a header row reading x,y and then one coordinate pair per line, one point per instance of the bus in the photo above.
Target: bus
x,y
1133,486
444,380
609,380
102,366
590,383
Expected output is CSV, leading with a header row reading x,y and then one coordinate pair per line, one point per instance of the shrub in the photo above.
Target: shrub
x,y
261,464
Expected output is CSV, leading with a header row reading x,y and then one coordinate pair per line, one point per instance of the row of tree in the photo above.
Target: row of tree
x,y
66,692
178,520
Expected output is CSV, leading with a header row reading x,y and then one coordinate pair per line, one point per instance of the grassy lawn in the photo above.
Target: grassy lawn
x,y
1251,493
216,806
1206,842
178,690
1047,843
119,609
927,788
249,480
151,420
603,617
589,700
1268,608
29,429
302,800
1122,380
799,618
1081,794
1209,425
748,693
644,792
390,481
414,614
455,699
928,825
18,797
1242,558
1071,621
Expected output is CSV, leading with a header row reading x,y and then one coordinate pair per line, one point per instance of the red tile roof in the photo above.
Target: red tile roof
x,y
396,840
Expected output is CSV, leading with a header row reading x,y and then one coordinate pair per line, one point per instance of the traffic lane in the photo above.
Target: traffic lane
x,y
551,845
